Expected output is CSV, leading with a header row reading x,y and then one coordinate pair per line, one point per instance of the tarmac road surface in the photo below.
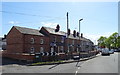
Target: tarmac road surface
x,y
99,64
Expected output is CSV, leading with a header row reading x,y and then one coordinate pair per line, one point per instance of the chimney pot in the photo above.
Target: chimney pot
x,y
81,35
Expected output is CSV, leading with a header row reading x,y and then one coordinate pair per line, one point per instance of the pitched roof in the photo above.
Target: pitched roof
x,y
25,30
52,31
28,30
72,37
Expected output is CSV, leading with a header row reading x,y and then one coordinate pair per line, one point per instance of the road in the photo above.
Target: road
x,y
99,64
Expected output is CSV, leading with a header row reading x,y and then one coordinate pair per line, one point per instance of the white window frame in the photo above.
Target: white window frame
x,y
62,40
73,48
32,50
52,49
73,42
32,40
77,50
41,49
41,41
58,49
68,49
54,39
62,49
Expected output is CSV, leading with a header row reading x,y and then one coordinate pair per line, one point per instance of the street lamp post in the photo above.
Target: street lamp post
x,y
79,25
79,35
116,40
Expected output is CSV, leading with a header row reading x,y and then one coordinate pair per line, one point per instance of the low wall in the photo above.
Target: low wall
x,y
32,57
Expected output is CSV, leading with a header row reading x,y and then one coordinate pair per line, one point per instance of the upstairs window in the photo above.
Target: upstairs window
x,y
54,39
32,41
62,39
73,42
77,50
68,49
32,50
62,49
87,43
72,48
41,41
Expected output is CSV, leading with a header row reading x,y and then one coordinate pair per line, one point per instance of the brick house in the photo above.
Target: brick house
x,y
57,41
28,44
72,45
22,43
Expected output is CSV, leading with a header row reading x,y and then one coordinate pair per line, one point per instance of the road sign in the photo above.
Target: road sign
x,y
42,54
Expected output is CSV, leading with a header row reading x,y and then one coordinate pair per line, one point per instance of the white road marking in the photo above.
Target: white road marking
x,y
78,67
76,72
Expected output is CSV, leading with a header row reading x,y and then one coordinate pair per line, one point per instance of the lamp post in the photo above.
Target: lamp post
x,y
116,40
79,35
79,25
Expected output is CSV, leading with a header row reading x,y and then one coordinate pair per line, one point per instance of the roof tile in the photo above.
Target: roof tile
x,y
28,30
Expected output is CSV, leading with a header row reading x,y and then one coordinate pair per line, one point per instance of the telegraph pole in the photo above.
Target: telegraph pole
x,y
67,42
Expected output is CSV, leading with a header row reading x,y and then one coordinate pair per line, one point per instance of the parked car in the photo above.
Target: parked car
x,y
111,51
76,57
99,49
105,51
117,50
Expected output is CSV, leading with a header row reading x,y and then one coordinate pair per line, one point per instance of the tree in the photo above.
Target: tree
x,y
101,41
113,41
109,42
118,44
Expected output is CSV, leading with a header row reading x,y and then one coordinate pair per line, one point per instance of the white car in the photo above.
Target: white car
x,y
105,51
111,51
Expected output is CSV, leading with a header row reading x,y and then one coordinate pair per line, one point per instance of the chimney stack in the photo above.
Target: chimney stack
x,y
81,35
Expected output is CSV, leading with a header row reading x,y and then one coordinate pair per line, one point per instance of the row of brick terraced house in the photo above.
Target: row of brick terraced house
x,y
44,45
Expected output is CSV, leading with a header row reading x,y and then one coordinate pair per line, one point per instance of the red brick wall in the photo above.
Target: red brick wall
x,y
14,41
14,36
70,41
19,56
58,40
37,43
15,48
19,43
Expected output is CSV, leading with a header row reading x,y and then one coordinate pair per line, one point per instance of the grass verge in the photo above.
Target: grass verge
x,y
41,63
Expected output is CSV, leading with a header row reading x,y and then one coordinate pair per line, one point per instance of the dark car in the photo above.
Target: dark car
x,y
76,57
117,50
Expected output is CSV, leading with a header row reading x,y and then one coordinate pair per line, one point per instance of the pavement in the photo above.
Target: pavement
x,y
67,61
8,61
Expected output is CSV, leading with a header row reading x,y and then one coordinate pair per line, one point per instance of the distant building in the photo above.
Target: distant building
x,y
3,43
45,44
0,43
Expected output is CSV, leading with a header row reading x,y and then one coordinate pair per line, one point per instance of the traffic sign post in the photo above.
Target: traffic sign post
x,y
37,57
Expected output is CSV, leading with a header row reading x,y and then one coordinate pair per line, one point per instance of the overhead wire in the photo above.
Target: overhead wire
x,y
49,18
30,14
24,8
